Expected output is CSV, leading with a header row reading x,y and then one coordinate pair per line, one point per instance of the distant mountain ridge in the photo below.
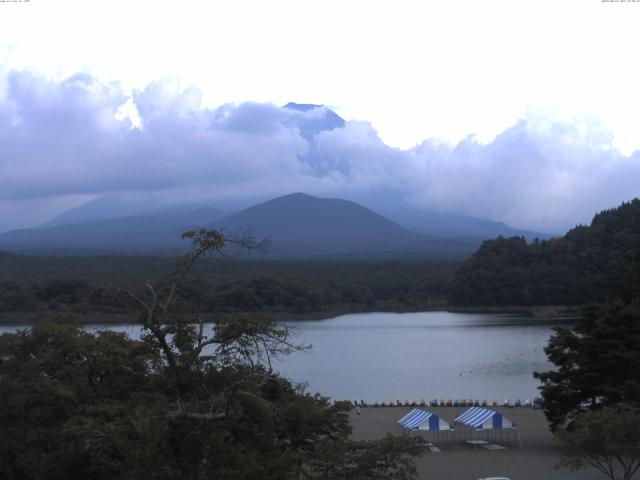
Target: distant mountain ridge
x,y
451,225
112,206
299,226
133,234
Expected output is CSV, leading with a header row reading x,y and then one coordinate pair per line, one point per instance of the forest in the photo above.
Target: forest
x,y
31,286
589,264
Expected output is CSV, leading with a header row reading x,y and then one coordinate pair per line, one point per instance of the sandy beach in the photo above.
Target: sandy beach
x,y
536,460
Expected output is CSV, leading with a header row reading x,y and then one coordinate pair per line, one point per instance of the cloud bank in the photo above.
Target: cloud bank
x,y
67,141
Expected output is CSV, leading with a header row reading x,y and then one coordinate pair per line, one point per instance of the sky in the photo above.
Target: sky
x,y
518,111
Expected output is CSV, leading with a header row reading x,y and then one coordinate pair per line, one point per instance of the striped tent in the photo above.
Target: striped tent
x,y
418,419
483,419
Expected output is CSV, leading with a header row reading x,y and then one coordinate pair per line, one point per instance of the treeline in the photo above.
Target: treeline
x,y
589,264
92,284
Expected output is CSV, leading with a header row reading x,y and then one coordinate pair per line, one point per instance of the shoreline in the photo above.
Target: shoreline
x,y
536,311
445,404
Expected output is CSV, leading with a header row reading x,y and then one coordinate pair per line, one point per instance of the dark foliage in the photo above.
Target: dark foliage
x,y
597,363
86,285
607,439
588,264
181,403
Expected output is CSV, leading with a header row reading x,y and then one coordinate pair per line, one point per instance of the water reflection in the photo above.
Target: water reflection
x,y
386,356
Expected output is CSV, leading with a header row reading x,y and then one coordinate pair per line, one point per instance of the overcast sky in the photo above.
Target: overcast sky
x,y
520,111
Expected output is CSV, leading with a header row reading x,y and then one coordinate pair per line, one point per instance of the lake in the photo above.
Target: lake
x,y
414,356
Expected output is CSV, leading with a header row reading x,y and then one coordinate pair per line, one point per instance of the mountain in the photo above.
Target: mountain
x,y
451,225
393,207
303,226
298,225
589,264
393,204
136,234
107,206
118,206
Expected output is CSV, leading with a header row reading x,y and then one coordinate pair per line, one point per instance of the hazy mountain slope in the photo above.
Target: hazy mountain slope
x,y
450,225
118,206
393,205
134,234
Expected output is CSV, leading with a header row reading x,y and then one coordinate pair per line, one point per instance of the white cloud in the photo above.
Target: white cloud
x,y
412,68
61,142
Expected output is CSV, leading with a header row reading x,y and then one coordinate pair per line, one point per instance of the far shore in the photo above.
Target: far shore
x,y
537,311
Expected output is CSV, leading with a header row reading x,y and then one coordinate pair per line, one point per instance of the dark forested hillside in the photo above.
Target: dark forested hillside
x,y
590,263
88,285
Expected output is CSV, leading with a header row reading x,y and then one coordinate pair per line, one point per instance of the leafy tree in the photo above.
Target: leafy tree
x,y
386,459
597,363
69,400
607,439
181,403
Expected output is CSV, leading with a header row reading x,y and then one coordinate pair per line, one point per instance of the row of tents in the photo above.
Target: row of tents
x,y
472,420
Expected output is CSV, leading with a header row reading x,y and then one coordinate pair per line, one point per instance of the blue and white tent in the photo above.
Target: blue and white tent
x,y
418,419
483,419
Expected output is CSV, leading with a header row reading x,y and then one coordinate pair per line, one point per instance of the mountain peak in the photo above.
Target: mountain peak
x,y
312,120
296,195
302,107
328,120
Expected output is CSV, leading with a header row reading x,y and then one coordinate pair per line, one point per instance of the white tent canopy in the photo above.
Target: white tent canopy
x,y
418,419
483,419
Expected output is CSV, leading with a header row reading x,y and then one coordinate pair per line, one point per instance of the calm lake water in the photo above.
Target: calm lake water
x,y
414,356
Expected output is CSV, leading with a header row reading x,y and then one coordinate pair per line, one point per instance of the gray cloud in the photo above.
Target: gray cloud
x,y
65,140
549,178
